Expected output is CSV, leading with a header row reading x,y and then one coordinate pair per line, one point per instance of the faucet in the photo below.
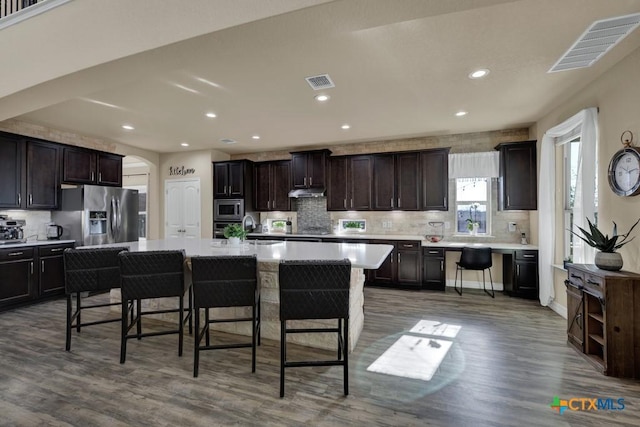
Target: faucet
x,y
253,221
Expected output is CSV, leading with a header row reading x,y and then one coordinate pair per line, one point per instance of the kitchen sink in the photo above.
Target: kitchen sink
x,y
264,242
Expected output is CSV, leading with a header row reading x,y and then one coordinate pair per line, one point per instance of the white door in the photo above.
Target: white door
x,y
182,208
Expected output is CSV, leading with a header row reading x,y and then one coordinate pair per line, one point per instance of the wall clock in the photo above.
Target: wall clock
x,y
624,169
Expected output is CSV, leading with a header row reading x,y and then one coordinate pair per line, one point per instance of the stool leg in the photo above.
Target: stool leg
x,y
78,308
254,312
68,332
346,356
123,333
259,323
283,352
139,318
196,342
339,339
206,325
180,325
190,310
493,293
455,282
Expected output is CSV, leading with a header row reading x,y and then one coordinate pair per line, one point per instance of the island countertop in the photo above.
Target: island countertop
x,y
366,256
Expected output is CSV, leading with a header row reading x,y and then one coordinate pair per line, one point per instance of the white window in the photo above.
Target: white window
x,y
473,205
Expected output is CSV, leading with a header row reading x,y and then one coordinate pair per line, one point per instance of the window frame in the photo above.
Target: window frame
x,y
487,202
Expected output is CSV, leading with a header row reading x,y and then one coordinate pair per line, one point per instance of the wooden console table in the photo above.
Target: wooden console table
x,y
603,318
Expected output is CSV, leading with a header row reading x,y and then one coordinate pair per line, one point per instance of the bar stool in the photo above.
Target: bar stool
x,y
309,290
153,274
475,259
225,281
89,271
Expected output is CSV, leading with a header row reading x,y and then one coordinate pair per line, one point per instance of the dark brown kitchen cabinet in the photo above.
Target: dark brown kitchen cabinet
x,y
51,269
433,269
16,275
230,179
396,181
272,185
386,273
402,266
517,183
434,165
82,166
520,273
43,176
12,167
308,169
350,183
575,315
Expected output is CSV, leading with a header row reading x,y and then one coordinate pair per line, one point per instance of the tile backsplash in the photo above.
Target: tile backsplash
x,y
36,221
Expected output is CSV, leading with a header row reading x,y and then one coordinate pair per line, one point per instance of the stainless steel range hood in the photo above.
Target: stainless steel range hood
x,y
307,192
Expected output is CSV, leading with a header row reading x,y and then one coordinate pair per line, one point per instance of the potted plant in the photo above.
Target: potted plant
x,y
234,232
472,221
606,258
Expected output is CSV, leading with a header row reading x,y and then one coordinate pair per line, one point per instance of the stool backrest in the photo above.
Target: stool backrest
x,y
224,281
87,270
153,274
314,289
475,258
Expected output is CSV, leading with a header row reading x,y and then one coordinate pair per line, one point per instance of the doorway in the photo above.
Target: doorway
x,y
182,208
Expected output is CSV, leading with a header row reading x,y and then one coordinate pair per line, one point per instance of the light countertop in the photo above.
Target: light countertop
x,y
367,256
30,243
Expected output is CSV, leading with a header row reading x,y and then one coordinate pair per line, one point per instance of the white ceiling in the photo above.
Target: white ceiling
x,y
400,68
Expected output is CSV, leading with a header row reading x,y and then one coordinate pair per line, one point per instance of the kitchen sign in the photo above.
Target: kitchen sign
x,y
180,171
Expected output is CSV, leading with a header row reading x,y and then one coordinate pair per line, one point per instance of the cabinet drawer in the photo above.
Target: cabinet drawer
x,y
527,255
594,284
576,278
16,254
408,245
433,252
52,250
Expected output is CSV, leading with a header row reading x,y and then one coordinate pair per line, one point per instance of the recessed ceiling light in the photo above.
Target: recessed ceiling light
x,y
461,113
184,144
255,137
211,115
127,127
345,127
322,98
478,74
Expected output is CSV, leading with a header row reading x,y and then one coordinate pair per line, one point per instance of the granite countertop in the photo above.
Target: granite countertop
x,y
29,243
458,243
367,256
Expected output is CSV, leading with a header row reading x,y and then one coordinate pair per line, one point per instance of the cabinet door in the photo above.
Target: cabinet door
x,y
43,175
78,166
433,276
316,169
575,317
262,184
526,283
281,185
407,181
337,184
220,180
435,179
386,272
11,170
109,169
299,170
518,179
359,183
384,198
16,275
235,179
408,267
51,269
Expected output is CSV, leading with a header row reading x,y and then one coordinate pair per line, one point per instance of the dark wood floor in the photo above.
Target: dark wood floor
x,y
507,363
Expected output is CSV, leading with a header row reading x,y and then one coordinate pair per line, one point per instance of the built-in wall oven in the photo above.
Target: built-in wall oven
x,y
228,210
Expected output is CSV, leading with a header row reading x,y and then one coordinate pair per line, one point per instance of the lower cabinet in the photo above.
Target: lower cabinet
x,y
433,269
402,267
31,273
520,273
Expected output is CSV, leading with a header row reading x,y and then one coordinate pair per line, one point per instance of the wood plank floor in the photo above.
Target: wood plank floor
x,y
507,363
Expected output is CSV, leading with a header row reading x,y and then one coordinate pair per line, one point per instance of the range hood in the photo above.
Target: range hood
x,y
307,192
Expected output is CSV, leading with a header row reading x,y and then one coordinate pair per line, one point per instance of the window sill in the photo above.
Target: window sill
x,y
481,236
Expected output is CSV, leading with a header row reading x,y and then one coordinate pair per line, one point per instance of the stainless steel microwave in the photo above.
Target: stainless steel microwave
x,y
228,209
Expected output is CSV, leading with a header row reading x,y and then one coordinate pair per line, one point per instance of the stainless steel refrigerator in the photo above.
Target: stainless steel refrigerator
x,y
95,215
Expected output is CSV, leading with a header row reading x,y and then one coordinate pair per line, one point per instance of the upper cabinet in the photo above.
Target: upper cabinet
x,y
43,176
396,181
12,166
82,166
350,183
232,180
308,169
517,184
272,185
434,165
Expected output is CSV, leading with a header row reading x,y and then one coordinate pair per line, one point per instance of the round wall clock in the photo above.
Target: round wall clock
x,y
624,172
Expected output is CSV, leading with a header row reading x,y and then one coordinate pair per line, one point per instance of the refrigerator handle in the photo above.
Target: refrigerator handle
x,y
113,224
119,215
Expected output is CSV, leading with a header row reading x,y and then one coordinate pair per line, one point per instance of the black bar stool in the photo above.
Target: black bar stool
x,y
475,259
153,274
315,289
89,271
225,281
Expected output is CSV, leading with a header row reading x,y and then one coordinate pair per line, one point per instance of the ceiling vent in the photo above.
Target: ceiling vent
x,y
319,82
228,141
596,41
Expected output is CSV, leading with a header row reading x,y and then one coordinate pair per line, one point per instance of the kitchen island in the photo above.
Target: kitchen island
x,y
269,254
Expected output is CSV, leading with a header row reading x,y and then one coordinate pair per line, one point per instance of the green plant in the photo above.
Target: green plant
x,y
278,224
234,230
603,242
473,216
352,224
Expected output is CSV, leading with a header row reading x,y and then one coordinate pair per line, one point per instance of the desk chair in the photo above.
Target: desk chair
x,y
153,274
87,272
315,290
475,259
225,281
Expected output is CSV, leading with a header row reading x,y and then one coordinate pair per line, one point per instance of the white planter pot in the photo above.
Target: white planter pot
x,y
234,241
611,261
